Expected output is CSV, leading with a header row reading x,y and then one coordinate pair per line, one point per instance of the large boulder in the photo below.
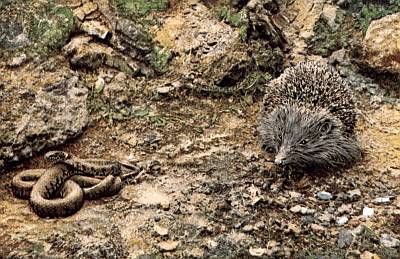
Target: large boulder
x,y
40,114
381,46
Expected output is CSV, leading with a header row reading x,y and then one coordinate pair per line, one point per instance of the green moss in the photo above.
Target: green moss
x,y
139,7
159,60
370,12
51,30
326,39
233,18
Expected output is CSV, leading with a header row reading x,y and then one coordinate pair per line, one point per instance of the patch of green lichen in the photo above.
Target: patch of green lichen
x,y
159,60
51,30
327,38
235,19
135,8
370,12
351,21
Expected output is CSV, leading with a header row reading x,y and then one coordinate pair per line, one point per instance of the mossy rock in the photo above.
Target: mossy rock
x,y
43,26
135,8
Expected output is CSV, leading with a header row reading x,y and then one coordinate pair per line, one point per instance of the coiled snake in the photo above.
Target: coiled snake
x,y
61,190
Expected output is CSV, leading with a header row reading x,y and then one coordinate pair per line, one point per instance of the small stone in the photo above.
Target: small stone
x,y
302,210
388,241
17,61
294,195
358,230
168,245
381,200
161,230
247,228
318,228
345,208
342,220
294,228
369,255
164,90
368,212
99,85
345,238
324,195
257,252
259,225
356,193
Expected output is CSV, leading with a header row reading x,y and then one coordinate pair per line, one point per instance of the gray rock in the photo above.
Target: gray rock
x,y
324,195
41,119
388,241
342,220
345,238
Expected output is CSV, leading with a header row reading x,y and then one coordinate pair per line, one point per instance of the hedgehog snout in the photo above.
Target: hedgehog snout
x,y
281,156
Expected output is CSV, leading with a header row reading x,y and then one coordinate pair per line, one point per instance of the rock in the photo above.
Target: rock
x,y
354,194
381,200
257,252
248,228
95,28
75,43
369,255
161,230
18,60
345,238
43,118
324,195
388,241
302,210
168,245
345,208
294,228
381,48
317,228
85,10
342,220
368,212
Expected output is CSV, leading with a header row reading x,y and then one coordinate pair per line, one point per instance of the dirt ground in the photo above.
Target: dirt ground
x,y
209,187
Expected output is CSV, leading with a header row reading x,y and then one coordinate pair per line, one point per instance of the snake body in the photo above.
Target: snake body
x,y
60,190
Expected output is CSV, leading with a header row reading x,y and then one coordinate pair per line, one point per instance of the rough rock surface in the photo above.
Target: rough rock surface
x,y
37,115
382,45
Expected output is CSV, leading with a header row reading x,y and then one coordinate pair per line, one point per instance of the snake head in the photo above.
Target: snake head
x,y
56,156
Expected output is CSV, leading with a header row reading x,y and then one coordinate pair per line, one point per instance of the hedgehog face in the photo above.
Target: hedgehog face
x,y
302,138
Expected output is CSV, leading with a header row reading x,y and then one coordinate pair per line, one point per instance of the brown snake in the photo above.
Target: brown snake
x,y
61,190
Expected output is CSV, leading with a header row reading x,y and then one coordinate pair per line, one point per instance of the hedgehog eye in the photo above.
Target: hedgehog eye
x,y
304,141
268,149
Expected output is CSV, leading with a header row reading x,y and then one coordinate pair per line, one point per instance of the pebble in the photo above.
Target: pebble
x,y
342,220
388,241
345,238
324,195
302,210
368,212
318,228
257,252
168,245
247,228
161,230
17,61
294,228
356,193
381,200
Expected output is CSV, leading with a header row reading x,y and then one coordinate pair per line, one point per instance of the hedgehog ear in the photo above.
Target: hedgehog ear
x,y
325,126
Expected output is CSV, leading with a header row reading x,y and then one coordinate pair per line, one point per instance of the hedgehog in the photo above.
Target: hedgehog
x,y
308,118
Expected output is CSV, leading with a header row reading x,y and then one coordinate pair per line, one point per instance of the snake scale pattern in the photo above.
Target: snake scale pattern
x,y
60,191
